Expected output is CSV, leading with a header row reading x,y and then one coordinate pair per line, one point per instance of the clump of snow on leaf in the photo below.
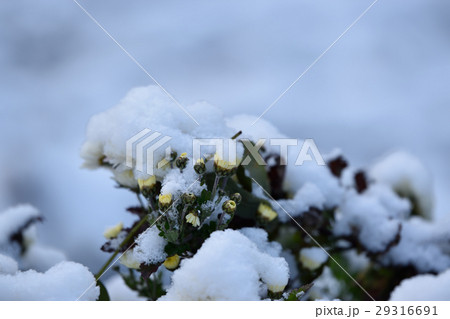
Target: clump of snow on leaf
x,y
149,247
64,281
228,266
407,176
423,244
423,287
374,215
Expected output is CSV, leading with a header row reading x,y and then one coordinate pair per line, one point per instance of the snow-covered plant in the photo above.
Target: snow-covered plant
x,y
215,229
32,271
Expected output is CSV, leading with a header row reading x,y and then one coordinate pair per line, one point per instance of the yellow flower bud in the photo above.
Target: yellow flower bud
x,y
128,260
275,288
266,212
165,201
172,262
113,231
223,167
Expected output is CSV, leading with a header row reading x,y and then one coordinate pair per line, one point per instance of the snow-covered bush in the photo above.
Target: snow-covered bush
x,y
31,271
213,229
218,227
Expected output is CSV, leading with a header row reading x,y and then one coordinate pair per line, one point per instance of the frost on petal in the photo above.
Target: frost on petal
x,y
228,266
149,247
423,287
65,281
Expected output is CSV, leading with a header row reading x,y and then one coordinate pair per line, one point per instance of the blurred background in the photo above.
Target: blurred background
x,y
385,86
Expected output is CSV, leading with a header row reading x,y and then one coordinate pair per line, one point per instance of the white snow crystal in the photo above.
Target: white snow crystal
x,y
228,266
423,287
65,281
406,175
149,247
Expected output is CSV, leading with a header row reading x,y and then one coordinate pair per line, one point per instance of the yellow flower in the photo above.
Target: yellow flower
x,y
183,154
266,212
165,201
147,183
229,206
275,288
113,231
193,219
223,167
172,262
128,260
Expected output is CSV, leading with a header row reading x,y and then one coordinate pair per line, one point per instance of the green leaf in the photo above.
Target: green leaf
x,y
299,293
104,296
172,236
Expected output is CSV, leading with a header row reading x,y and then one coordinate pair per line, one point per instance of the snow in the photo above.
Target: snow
x,y
149,248
223,60
309,195
119,291
41,258
64,281
423,288
374,215
423,244
408,176
313,257
8,265
260,238
148,108
228,266
326,286
15,218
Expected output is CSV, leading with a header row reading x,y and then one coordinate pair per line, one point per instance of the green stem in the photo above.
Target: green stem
x,y
129,236
216,182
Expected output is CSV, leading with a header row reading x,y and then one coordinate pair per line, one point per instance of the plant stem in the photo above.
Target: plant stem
x,y
129,236
216,182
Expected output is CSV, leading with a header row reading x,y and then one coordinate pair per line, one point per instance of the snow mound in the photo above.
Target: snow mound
x,y
407,176
15,219
229,266
8,265
148,108
149,247
423,287
65,281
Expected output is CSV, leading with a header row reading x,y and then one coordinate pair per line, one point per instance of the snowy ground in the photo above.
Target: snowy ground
x,y
383,87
